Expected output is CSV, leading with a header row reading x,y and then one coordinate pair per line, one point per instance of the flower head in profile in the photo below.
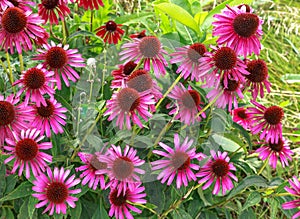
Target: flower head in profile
x,y
14,116
273,151
222,62
178,161
22,4
239,29
266,120
257,80
217,169
110,32
126,104
226,96
26,148
187,104
122,168
188,57
53,188
49,117
92,163
61,59
138,35
121,74
149,50
241,117
90,4
36,82
21,29
52,9
119,201
294,190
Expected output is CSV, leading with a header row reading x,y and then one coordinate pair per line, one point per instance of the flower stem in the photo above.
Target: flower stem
x,y
10,75
104,70
21,62
86,136
206,107
168,91
142,206
263,166
92,18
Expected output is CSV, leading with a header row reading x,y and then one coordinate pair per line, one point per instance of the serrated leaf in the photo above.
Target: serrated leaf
x,y
22,190
225,143
252,199
246,183
179,14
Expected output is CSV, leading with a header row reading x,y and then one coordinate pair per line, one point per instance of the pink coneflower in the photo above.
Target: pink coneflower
x,y
275,150
20,29
120,205
59,58
49,117
25,149
267,120
121,74
110,32
126,104
228,95
90,4
54,188
13,117
35,81
91,165
49,9
138,35
294,190
239,29
122,169
178,161
149,50
257,80
218,168
222,62
189,57
240,116
187,105
141,81
5,4
22,4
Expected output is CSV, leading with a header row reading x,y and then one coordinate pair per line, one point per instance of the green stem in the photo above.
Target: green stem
x,y
263,166
206,107
92,18
168,91
21,62
10,75
104,70
142,206
65,32
85,136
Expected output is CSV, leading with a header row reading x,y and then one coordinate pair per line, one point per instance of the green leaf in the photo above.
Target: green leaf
x,y
253,199
11,181
238,2
225,143
179,14
180,213
132,18
274,208
247,214
31,206
246,183
76,212
2,176
209,18
23,213
22,190
100,212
